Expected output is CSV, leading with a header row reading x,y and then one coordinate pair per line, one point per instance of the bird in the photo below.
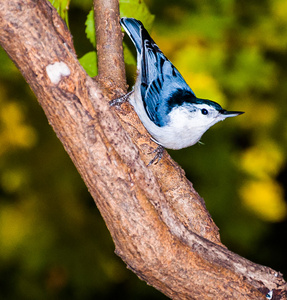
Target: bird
x,y
163,101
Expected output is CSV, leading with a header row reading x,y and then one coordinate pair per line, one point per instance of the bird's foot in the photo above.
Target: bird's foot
x,y
159,154
121,100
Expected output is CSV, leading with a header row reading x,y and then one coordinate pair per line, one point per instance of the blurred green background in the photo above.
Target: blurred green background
x,y
53,241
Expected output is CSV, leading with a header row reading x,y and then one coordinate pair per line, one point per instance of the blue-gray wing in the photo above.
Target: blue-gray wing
x,y
160,80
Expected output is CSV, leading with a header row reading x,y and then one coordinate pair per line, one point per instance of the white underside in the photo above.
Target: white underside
x,y
176,135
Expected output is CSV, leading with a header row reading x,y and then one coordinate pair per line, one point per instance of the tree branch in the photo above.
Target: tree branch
x,y
111,66
158,222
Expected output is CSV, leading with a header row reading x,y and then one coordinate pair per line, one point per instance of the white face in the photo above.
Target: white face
x,y
197,116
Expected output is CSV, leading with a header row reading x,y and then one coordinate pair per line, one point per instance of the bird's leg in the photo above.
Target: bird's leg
x,y
121,100
159,153
160,149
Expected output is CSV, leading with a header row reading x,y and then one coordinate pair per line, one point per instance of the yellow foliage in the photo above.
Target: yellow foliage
x,y
265,198
279,9
194,64
13,180
14,131
206,87
262,194
15,226
263,114
263,160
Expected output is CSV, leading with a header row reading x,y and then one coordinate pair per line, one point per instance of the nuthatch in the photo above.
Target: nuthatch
x,y
165,104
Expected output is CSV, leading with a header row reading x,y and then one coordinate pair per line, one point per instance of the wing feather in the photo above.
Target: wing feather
x,y
160,80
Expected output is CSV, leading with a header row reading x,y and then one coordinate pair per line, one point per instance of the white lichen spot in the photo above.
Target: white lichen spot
x,y
56,71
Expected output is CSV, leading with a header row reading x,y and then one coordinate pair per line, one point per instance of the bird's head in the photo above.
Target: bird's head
x,y
207,113
200,113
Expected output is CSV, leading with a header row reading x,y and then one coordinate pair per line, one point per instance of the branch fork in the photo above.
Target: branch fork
x,y
159,224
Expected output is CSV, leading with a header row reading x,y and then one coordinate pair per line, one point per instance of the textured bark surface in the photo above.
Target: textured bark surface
x,y
158,222
111,66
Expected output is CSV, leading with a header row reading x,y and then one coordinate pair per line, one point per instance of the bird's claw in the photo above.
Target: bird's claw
x,y
121,100
159,154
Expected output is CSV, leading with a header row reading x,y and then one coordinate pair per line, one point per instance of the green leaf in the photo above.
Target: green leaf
x,y
90,28
62,7
130,59
89,63
128,8
138,10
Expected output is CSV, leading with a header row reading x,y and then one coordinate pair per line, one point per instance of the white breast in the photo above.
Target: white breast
x,y
180,133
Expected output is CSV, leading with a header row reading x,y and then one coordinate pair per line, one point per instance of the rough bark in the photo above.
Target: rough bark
x,y
111,67
158,222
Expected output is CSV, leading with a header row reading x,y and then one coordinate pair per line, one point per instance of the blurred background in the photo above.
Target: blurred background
x,y
53,241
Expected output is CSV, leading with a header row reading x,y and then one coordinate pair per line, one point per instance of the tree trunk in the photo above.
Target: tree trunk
x,y
159,224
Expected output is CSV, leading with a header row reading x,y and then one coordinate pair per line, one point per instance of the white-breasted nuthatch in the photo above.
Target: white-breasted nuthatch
x,y
165,104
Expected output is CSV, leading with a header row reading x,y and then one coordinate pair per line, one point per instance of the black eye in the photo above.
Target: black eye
x,y
204,111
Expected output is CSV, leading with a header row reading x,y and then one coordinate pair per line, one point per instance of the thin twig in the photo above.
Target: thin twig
x,y
111,67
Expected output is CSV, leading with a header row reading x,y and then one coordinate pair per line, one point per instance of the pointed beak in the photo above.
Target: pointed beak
x,y
228,114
